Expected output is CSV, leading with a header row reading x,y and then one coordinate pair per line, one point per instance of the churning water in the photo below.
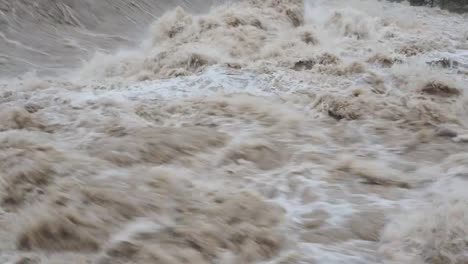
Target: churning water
x,y
257,131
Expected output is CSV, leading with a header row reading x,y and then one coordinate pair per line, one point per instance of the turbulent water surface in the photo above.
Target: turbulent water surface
x,y
256,131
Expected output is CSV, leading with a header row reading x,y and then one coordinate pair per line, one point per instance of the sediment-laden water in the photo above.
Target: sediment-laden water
x,y
242,132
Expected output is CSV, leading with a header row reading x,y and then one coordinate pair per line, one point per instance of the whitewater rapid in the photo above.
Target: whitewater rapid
x,y
245,132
